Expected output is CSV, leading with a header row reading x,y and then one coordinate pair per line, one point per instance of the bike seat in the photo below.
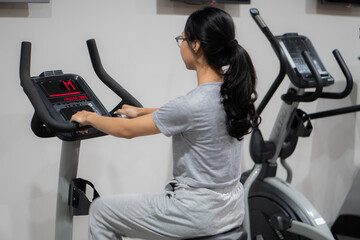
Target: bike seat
x,y
237,233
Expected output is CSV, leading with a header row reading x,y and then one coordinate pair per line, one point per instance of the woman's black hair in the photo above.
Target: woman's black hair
x,y
214,29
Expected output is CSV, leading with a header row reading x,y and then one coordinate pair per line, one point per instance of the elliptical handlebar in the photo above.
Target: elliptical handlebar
x,y
348,77
280,54
289,97
265,29
107,79
306,96
29,89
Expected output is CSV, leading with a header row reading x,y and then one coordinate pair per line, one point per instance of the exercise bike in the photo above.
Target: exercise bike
x,y
274,209
55,97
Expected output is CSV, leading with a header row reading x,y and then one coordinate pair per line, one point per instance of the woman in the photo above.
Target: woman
x,y
207,126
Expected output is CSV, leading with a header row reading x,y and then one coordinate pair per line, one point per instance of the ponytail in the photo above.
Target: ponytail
x,y
214,29
238,93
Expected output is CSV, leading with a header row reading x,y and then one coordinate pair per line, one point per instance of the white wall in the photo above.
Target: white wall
x,y
136,43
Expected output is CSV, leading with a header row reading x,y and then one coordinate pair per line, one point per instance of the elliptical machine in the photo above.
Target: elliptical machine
x,y
274,209
55,97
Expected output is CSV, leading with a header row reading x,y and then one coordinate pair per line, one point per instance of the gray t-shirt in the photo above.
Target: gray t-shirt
x,y
204,154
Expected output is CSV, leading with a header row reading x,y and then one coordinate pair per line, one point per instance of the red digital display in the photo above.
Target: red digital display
x,y
63,91
69,86
75,98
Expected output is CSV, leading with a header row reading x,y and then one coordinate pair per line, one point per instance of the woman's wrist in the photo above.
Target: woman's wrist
x,y
144,111
139,111
90,118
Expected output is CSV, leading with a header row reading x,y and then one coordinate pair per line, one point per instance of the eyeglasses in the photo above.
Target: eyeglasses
x,y
179,39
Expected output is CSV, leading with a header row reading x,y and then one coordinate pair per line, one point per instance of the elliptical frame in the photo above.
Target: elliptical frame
x,y
292,213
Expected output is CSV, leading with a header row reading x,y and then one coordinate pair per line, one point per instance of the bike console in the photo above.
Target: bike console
x,y
64,95
57,96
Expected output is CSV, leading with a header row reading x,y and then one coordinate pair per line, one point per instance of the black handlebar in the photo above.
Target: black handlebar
x,y
348,77
107,79
280,54
40,110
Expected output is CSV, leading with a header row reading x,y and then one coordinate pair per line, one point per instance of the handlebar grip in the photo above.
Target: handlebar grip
x,y
106,78
254,11
347,74
25,57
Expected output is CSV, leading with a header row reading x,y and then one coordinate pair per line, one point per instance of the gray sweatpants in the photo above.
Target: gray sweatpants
x,y
181,212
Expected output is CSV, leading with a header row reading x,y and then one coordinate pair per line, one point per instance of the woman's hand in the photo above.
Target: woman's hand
x,y
119,127
129,111
82,118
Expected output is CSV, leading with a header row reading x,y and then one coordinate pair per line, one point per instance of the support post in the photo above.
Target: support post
x,y
68,169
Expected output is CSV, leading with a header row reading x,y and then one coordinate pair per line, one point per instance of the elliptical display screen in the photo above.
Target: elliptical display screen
x,y
298,71
295,47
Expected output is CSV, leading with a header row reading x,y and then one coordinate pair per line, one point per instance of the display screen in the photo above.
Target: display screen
x,y
342,2
295,47
63,91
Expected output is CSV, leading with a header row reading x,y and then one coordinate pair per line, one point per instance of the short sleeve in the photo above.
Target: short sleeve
x,y
174,117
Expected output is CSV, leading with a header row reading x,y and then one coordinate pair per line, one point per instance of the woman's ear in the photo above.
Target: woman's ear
x,y
195,46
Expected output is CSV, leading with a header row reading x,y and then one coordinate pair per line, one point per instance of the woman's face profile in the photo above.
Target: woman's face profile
x,y
187,54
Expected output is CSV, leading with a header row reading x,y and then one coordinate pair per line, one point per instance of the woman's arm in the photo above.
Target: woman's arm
x,y
133,112
118,127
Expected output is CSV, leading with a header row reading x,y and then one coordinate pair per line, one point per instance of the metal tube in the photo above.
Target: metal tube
x,y
247,185
288,170
335,112
309,231
68,169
